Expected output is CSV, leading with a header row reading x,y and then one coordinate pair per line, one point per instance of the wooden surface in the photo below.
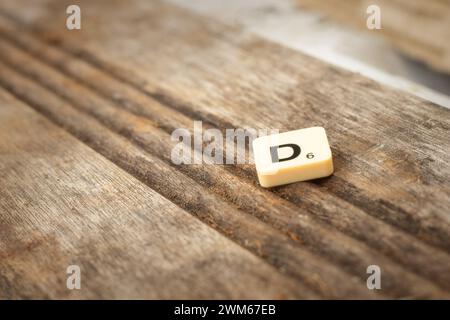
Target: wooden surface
x,y
96,187
63,203
420,29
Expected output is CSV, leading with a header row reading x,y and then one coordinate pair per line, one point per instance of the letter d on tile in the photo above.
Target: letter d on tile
x,y
295,152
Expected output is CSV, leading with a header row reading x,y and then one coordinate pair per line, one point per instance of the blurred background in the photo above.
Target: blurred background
x,y
410,52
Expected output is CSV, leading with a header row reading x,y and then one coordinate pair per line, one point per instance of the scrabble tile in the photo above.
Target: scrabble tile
x,y
292,156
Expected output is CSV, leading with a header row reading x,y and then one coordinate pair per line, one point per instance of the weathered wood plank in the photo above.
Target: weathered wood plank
x,y
387,203
277,249
407,136
346,252
61,203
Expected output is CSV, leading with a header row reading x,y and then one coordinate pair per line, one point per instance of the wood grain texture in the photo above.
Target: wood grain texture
x,y
420,29
63,206
244,229
112,88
